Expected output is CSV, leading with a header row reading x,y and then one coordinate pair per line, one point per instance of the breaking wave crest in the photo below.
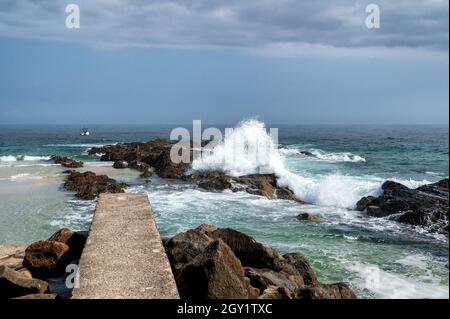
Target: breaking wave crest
x,y
249,149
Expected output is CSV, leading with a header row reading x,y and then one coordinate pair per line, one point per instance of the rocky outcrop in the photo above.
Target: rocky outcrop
x,y
215,273
120,164
325,291
426,206
210,262
154,156
46,258
308,216
308,154
66,162
89,185
14,284
255,184
74,240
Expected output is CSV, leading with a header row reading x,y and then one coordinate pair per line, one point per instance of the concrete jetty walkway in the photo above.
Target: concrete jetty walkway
x,y
124,256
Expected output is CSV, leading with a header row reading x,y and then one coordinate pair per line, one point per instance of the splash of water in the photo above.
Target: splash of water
x,y
249,149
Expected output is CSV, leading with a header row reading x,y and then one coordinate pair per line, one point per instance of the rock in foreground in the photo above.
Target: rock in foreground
x,y
426,206
14,284
46,258
210,262
89,185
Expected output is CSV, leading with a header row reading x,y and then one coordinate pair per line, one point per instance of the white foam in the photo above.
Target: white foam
x,y
36,158
249,150
338,157
322,155
8,158
24,176
12,158
384,284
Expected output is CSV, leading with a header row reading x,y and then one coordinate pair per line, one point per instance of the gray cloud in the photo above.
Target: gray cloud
x,y
278,27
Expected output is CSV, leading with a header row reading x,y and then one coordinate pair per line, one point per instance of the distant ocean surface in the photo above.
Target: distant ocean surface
x,y
378,257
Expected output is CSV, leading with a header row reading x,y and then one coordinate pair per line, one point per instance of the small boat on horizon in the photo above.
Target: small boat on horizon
x,y
84,132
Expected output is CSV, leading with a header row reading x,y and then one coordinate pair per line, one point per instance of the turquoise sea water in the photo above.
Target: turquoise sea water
x,y
378,257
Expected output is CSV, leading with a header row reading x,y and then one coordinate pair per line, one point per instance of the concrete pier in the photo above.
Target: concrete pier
x,y
124,256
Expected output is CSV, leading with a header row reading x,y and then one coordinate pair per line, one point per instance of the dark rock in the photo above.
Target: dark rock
x,y
301,264
14,284
426,206
274,292
202,258
325,291
262,278
67,162
215,274
248,250
308,216
364,202
88,185
258,184
308,153
75,241
285,193
39,296
166,168
148,172
120,164
212,181
46,258
184,247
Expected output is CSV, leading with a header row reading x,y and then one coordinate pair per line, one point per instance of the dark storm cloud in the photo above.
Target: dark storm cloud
x,y
271,26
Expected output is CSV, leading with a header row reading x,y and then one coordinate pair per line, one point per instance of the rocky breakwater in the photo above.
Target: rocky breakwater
x,y
426,206
66,162
154,156
38,271
89,185
145,157
216,263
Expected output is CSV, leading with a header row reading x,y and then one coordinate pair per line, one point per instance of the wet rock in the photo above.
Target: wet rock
x,y
308,216
46,258
262,278
212,181
426,206
267,273
308,153
120,164
302,265
248,250
75,241
184,247
215,274
88,185
66,162
14,284
148,172
325,291
258,184
274,292
166,168
285,193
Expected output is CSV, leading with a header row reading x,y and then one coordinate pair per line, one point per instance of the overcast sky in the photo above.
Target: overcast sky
x,y
284,61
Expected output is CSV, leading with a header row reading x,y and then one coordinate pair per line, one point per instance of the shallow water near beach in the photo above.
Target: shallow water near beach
x,y
378,257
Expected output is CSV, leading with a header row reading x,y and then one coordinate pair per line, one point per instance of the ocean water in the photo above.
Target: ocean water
x,y
378,257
